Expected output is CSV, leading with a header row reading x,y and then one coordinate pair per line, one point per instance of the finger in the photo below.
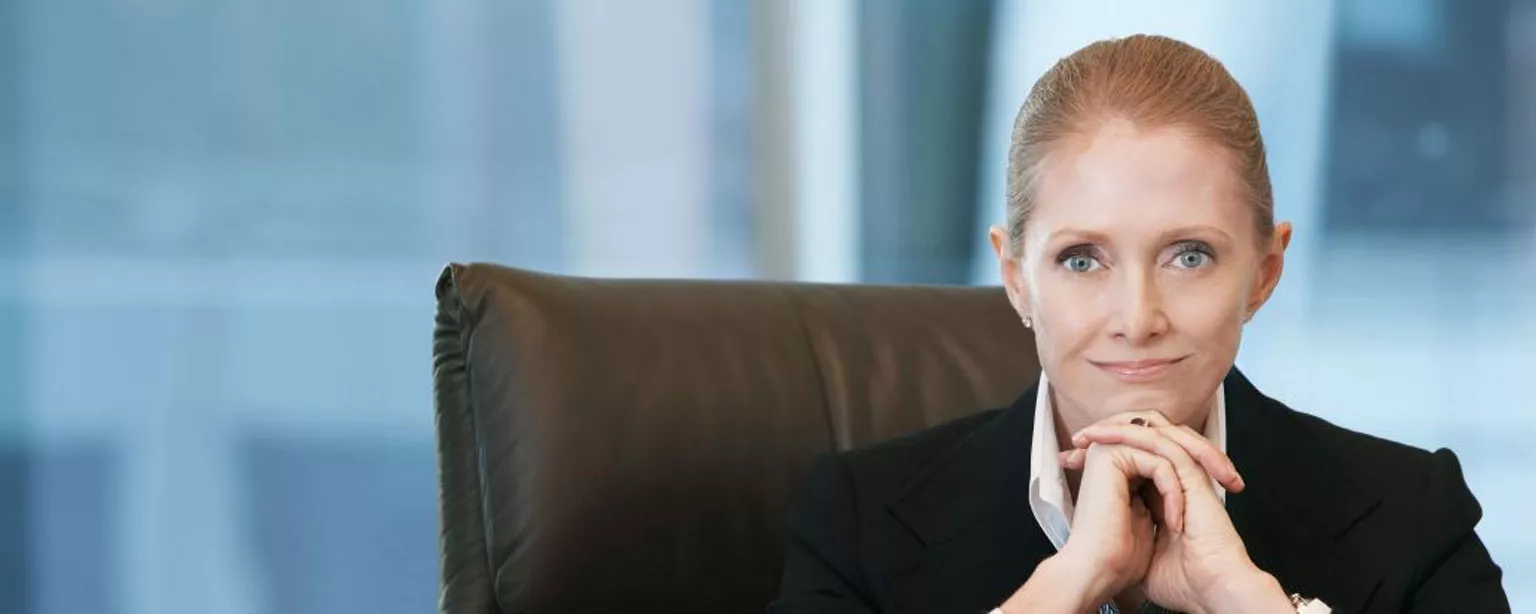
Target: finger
x,y
1153,441
1209,456
1074,458
1139,507
1151,417
1154,500
1162,478
1170,507
1170,491
1135,463
1216,463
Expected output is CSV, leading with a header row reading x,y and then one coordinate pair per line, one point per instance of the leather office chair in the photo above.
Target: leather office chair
x,y
633,446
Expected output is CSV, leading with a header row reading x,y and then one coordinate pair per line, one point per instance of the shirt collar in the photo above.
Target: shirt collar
x,y
1049,498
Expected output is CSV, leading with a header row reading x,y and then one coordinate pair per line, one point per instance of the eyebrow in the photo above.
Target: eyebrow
x,y
1087,236
1182,231
1094,236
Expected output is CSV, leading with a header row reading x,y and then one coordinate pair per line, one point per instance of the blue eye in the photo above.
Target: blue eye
x,y
1193,256
1079,262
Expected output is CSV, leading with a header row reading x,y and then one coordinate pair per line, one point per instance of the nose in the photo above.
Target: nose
x,y
1139,315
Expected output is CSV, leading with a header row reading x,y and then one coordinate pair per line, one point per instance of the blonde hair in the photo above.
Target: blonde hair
x,y
1152,82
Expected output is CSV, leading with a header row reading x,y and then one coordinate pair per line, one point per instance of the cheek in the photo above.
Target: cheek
x,y
1067,323
1209,314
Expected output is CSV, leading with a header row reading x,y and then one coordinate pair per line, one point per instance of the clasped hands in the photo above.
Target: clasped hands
x,y
1149,524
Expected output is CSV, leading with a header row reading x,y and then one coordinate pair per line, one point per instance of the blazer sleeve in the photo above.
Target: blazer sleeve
x,y
821,564
1458,575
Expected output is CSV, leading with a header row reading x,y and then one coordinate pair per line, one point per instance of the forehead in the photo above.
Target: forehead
x,y
1122,178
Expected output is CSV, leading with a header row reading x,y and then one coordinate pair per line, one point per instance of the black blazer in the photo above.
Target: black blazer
x,y
939,521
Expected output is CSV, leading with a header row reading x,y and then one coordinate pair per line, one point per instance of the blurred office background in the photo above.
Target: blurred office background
x,y
220,223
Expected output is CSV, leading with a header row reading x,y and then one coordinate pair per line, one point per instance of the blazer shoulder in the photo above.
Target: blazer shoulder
x,y
1357,445
1380,460
884,467
1425,524
1404,475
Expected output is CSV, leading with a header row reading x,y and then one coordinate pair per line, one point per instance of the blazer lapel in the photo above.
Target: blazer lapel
x,y
970,510
1298,502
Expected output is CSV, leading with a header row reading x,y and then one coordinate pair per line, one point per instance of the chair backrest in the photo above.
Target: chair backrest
x,y
633,445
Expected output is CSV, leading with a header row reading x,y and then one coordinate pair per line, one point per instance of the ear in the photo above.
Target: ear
x,y
1011,268
1271,266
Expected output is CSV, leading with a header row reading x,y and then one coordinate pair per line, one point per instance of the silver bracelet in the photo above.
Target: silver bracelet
x,y
1304,605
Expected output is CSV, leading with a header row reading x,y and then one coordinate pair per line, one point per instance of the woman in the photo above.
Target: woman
x,y
1142,471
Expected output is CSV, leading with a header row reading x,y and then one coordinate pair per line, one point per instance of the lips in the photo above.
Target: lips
x,y
1138,370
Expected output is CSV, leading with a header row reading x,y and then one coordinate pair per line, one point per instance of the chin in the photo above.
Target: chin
x,y
1173,403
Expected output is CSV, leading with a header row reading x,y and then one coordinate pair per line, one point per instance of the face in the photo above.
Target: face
x,y
1140,264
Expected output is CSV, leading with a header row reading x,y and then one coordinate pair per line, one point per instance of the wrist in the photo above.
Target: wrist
x,y
1061,583
1252,590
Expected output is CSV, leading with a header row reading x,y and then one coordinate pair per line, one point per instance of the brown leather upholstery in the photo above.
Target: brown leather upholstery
x,y
633,446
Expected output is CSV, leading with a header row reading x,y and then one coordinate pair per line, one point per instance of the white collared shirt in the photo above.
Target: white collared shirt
x,y
1049,497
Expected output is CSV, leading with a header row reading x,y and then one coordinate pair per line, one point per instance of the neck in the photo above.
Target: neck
x,y
1068,418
